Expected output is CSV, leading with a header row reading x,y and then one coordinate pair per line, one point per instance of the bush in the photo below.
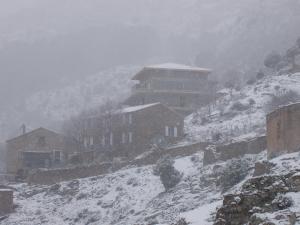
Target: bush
x,y
272,60
279,100
182,221
260,75
251,101
251,81
234,172
169,176
238,106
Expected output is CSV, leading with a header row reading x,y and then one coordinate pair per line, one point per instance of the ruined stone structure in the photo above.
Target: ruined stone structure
x,y
131,131
283,130
6,201
182,88
40,148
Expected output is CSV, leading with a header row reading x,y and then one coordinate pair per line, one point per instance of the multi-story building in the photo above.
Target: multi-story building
x,y
131,131
182,88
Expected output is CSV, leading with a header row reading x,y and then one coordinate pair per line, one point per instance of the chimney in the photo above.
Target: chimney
x,y
23,128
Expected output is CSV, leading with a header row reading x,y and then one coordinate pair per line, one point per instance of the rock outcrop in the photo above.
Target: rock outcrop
x,y
259,195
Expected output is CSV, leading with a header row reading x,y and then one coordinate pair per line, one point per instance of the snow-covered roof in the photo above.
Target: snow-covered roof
x,y
137,108
170,67
175,66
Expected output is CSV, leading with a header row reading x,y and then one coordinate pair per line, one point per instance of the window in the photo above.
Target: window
x,y
130,118
130,137
85,141
182,101
103,140
171,132
57,156
124,118
123,138
175,132
42,141
91,140
111,139
167,131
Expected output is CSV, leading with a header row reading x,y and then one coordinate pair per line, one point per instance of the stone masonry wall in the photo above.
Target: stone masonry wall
x,y
239,149
53,176
6,201
58,175
283,130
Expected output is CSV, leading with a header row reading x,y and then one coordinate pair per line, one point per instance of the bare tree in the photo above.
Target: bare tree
x,y
77,127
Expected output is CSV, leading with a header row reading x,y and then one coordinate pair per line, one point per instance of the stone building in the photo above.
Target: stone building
x,y
40,148
6,201
283,130
131,131
180,87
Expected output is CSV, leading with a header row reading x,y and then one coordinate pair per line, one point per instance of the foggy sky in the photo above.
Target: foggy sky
x,y
48,44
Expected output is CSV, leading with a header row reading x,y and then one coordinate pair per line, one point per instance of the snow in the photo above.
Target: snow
x,y
185,165
138,108
245,124
175,66
202,215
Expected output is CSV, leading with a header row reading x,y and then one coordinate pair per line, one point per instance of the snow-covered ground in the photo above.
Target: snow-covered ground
x,y
129,196
241,124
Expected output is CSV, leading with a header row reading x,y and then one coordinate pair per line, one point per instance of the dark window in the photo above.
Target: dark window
x,y
182,101
57,156
42,141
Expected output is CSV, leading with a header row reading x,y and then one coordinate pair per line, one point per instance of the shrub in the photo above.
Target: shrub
x,y
233,173
169,176
251,81
238,106
182,221
260,75
288,97
251,101
272,60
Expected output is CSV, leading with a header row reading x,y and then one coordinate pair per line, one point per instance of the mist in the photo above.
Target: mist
x,y
49,45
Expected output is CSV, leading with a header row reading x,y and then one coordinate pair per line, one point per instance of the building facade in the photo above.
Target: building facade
x,y
180,87
40,148
131,131
283,130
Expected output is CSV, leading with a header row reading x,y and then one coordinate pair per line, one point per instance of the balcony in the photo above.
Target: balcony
x,y
142,89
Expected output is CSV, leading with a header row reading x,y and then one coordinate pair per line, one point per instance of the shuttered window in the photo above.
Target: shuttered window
x,y
130,137
175,132
167,131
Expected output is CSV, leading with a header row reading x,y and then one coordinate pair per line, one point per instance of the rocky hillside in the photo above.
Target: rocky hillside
x,y
130,196
136,196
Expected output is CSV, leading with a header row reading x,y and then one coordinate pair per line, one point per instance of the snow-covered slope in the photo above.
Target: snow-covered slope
x,y
240,114
130,196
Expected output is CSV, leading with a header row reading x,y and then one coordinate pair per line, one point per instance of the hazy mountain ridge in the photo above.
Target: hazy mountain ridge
x,y
51,108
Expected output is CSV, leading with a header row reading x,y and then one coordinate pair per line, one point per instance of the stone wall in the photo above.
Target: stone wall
x,y
6,201
238,149
58,175
53,176
175,151
283,130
